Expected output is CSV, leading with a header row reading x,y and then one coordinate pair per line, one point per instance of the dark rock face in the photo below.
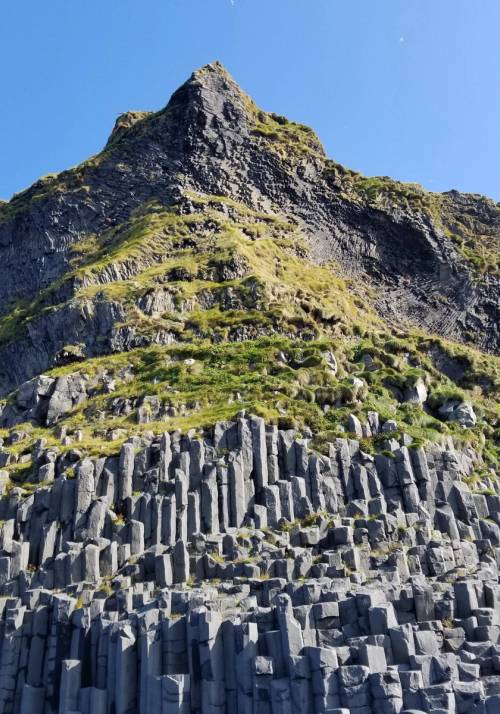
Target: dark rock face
x,y
208,140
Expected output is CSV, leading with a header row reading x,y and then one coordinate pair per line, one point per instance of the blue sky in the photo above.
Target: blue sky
x,y
406,88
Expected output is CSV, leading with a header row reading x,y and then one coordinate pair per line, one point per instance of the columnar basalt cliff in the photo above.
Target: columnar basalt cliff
x,y
249,431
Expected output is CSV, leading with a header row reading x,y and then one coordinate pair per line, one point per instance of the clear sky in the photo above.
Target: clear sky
x,y
406,88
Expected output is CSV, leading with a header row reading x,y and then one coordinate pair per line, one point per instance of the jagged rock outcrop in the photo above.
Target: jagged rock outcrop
x,y
213,140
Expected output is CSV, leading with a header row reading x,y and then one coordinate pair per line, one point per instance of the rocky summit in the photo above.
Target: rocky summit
x,y
248,429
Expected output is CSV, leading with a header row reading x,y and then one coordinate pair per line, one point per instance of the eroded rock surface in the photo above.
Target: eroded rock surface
x,y
213,140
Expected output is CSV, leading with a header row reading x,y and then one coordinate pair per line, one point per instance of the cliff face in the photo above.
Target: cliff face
x,y
427,257
249,429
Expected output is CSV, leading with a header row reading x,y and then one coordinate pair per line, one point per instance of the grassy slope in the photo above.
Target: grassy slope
x,y
285,306
279,368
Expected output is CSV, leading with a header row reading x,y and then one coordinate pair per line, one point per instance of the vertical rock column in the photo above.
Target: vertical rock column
x,y
126,672
209,500
237,500
125,472
71,674
84,493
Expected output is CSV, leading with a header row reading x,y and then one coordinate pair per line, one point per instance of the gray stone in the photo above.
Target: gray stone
x,y
71,672
168,521
286,500
259,450
163,570
68,391
466,598
461,412
32,700
126,471
402,643
354,426
180,559
193,514
382,618
271,500
373,657
196,464
4,570
84,492
417,392
136,537
209,501
90,564
237,501
96,519
126,672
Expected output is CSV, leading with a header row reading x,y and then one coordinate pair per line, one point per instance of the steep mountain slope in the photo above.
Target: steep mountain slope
x,y
429,258
249,428
224,230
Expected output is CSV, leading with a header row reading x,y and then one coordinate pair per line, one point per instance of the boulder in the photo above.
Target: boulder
x,y
69,391
461,412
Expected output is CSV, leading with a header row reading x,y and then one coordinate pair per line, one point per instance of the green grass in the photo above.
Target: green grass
x,y
278,289
209,382
288,139
280,302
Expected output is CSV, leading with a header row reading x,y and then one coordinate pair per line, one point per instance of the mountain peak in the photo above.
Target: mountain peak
x,y
212,89
429,257
212,68
215,75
